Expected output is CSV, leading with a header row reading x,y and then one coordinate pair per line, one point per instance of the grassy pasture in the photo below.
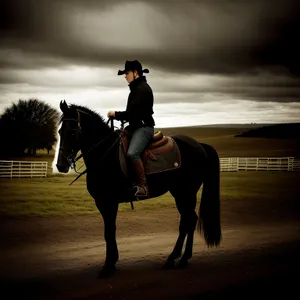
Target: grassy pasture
x,y
52,196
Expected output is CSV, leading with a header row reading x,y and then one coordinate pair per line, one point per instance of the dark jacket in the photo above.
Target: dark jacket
x,y
139,108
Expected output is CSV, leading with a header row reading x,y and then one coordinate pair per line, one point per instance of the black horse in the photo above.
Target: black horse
x,y
83,129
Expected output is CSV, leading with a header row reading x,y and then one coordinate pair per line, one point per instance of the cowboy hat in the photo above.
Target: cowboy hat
x,y
134,65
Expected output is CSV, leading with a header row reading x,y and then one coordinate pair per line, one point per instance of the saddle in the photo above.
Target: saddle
x,y
161,154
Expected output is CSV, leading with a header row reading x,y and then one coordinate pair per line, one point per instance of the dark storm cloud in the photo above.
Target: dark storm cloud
x,y
241,36
194,36
252,42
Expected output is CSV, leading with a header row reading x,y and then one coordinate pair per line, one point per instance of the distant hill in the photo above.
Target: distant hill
x,y
231,125
234,125
226,125
276,131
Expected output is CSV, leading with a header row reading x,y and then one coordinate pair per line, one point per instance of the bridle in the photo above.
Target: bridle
x,y
71,159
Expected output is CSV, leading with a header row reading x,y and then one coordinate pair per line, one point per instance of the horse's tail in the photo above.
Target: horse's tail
x,y
209,209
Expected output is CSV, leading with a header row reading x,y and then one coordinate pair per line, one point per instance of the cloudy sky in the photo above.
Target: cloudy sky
x,y
212,61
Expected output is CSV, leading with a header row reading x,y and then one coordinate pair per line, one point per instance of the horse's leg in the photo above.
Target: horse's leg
x,y
191,225
109,215
176,253
188,220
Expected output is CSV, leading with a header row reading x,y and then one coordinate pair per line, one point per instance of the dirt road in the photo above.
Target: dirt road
x,y
58,258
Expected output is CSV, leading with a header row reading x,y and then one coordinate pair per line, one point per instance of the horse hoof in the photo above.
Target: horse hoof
x,y
107,272
169,265
182,264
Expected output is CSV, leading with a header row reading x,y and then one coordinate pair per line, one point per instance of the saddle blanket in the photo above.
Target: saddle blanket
x,y
162,156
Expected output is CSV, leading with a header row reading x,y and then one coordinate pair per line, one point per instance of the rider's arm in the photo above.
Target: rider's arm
x,y
134,108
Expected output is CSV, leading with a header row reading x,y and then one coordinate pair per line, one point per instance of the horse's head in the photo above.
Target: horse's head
x,y
69,137
81,129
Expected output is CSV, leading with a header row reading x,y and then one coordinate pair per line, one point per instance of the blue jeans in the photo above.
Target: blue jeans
x,y
138,142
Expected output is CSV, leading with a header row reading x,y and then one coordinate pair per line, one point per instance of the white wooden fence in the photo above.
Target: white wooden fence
x,y
235,164
18,169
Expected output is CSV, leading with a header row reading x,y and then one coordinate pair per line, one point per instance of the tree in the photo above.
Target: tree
x,y
28,125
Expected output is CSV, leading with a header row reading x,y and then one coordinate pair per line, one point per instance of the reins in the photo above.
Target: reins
x,y
94,146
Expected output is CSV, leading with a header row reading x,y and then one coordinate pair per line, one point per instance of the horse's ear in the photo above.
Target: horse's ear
x,y
63,106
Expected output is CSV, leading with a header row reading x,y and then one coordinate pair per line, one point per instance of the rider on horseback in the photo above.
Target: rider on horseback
x,y
138,113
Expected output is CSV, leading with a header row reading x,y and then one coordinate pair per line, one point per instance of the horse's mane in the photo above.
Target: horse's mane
x,y
95,116
87,110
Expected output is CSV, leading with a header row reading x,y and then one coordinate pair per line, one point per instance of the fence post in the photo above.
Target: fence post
x,y
280,164
290,163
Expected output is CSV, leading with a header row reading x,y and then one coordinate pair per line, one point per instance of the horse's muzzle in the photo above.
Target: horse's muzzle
x,y
62,168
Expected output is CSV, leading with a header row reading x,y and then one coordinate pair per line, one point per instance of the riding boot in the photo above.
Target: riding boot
x,y
140,179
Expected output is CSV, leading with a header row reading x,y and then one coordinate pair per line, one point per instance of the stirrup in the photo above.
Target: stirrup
x,y
141,191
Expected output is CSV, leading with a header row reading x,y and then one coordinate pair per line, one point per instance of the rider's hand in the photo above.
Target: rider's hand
x,y
111,114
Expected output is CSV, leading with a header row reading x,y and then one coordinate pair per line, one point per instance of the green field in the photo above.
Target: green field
x,y
53,195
